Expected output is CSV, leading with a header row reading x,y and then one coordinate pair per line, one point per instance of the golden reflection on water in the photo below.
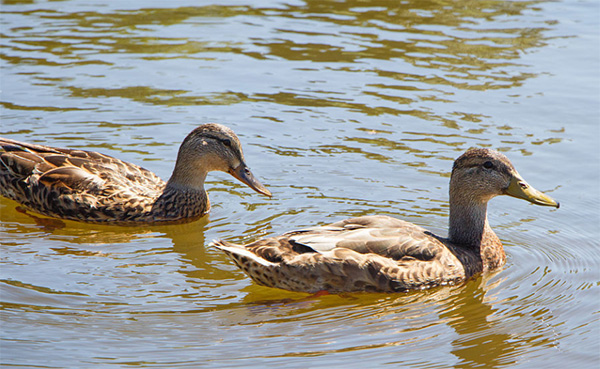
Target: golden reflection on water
x,y
429,37
404,317
355,108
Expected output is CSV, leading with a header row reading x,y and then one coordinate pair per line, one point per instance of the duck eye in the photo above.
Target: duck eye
x,y
488,165
227,142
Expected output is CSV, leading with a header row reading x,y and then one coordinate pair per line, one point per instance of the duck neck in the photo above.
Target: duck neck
x,y
181,201
184,196
468,222
469,230
187,176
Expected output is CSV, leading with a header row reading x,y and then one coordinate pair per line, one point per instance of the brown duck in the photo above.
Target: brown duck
x,y
91,187
384,254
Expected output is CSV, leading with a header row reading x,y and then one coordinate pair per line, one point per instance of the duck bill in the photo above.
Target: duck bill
x,y
522,190
244,175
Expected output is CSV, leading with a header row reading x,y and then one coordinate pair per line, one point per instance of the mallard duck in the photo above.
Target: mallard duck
x,y
92,187
385,254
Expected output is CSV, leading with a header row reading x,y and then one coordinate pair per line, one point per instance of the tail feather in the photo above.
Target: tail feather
x,y
260,270
237,252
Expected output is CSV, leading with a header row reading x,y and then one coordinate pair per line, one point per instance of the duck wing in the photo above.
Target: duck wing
x,y
382,235
60,182
23,160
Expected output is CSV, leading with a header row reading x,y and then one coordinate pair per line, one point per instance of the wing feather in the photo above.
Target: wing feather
x,y
382,235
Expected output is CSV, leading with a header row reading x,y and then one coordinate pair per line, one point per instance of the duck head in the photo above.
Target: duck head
x,y
212,147
481,174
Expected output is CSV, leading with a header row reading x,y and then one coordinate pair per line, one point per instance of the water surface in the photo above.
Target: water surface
x,y
344,109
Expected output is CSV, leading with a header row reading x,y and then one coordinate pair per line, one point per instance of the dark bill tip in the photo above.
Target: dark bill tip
x,y
244,175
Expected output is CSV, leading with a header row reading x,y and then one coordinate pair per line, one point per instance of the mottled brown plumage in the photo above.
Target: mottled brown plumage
x,y
92,187
384,254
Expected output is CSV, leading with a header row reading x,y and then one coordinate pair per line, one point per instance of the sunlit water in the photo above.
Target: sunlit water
x,y
344,108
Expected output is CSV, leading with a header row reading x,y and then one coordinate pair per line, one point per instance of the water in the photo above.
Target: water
x,y
344,108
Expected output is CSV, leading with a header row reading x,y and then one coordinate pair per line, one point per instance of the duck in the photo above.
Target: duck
x,y
379,253
91,187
